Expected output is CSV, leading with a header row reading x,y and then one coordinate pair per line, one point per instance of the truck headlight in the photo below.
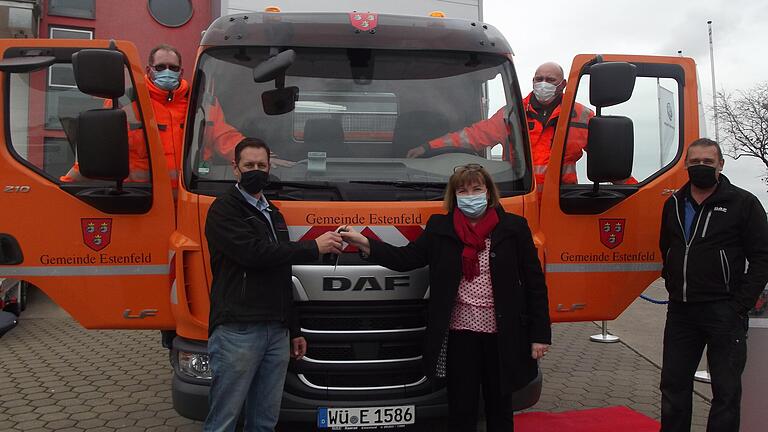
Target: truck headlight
x,y
195,365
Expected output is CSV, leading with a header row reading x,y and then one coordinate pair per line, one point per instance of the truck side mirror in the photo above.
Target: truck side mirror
x,y
611,83
610,146
99,72
280,101
102,153
102,144
611,139
102,134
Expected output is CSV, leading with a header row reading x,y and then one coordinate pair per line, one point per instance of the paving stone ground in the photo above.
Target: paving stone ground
x,y
56,376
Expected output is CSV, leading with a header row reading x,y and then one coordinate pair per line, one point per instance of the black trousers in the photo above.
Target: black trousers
x,y
689,327
473,363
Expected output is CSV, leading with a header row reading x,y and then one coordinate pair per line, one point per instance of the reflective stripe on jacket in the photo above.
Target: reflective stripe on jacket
x,y
541,136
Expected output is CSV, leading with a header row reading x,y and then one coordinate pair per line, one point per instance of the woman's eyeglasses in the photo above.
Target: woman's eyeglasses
x,y
468,167
162,67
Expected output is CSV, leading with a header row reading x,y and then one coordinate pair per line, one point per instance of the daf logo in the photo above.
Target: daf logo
x,y
365,283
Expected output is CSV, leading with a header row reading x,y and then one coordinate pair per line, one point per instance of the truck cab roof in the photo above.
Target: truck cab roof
x,y
397,32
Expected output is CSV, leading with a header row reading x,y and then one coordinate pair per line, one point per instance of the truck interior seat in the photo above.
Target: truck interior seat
x,y
415,128
325,135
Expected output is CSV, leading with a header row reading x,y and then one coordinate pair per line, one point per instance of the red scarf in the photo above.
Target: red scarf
x,y
473,238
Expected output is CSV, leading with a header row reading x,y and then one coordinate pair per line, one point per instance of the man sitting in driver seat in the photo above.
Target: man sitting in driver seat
x,y
542,109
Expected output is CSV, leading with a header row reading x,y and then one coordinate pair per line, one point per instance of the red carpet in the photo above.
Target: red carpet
x,y
611,419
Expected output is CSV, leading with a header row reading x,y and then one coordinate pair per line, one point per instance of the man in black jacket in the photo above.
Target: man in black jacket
x,y
252,313
709,229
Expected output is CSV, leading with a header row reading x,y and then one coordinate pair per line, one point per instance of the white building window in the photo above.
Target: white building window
x,y
60,75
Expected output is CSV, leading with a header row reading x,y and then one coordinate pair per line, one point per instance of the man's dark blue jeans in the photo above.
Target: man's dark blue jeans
x,y
249,363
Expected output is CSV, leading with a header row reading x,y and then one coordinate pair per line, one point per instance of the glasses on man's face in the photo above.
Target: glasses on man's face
x,y
162,67
468,167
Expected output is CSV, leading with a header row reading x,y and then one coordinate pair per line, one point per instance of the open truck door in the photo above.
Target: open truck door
x,y
87,202
602,233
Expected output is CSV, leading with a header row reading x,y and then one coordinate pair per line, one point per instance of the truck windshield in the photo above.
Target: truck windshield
x,y
358,116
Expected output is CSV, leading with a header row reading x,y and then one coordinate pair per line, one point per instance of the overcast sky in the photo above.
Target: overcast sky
x,y
557,30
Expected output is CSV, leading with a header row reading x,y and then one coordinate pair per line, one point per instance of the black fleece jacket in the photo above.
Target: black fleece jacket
x,y
729,228
251,268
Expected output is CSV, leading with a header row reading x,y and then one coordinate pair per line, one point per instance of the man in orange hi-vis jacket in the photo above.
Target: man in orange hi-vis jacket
x,y
169,93
542,109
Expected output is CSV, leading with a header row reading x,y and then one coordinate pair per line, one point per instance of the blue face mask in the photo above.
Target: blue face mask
x,y
166,79
472,206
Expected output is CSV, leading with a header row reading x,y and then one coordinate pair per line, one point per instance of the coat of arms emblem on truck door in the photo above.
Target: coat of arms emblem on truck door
x,y
97,233
612,232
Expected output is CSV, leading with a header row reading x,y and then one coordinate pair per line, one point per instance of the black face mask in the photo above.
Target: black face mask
x,y
254,181
702,176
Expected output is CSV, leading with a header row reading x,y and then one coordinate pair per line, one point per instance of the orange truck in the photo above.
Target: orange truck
x,y
340,98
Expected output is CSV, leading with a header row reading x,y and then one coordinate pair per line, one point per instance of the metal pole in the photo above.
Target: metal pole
x,y
703,375
714,91
604,337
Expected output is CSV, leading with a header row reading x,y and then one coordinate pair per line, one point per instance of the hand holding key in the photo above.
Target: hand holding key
x,y
351,236
329,242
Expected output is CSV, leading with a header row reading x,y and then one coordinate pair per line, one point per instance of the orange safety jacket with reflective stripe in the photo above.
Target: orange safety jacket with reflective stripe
x,y
170,109
494,130
541,136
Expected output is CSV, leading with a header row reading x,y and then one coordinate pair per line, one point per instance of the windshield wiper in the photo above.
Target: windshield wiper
x,y
286,189
403,184
279,184
283,189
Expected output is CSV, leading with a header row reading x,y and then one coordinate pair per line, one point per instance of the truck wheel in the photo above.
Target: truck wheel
x,y
13,308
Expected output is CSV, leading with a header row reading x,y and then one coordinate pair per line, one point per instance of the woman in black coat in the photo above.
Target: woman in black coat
x,y
488,318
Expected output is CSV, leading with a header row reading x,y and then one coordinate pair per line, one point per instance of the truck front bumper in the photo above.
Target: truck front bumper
x,y
191,401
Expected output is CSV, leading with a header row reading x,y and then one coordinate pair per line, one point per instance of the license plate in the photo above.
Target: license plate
x,y
353,418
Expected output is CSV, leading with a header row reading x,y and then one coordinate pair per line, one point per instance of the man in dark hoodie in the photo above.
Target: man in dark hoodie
x,y
252,312
709,230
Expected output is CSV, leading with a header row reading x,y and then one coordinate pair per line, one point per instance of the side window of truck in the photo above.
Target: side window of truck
x,y
655,113
42,122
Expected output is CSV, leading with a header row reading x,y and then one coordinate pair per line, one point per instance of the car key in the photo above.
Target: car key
x,y
343,245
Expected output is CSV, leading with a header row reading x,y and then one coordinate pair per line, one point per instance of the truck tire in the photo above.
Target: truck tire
x,y
13,308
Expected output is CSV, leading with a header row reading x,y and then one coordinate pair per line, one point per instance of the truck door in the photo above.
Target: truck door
x,y
601,248
99,251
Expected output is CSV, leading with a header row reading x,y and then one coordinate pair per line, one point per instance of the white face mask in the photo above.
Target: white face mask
x,y
472,206
544,92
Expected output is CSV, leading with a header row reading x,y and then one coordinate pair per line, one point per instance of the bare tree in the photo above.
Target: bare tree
x,y
743,118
